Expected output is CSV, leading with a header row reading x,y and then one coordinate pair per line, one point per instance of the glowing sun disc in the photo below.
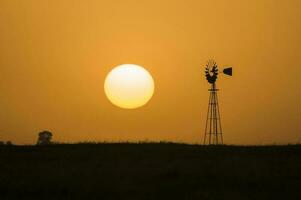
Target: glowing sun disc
x,y
129,86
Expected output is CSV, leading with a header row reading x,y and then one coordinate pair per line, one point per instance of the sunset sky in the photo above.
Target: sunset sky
x,y
55,55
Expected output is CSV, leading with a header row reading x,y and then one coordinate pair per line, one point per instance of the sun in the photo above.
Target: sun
x,y
129,86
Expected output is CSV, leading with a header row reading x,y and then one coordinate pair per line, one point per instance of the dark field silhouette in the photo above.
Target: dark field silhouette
x,y
150,171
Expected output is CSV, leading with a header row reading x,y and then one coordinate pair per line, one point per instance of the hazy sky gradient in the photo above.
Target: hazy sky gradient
x,y
55,54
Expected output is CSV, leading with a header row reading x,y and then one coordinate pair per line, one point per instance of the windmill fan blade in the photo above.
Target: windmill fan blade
x,y
228,71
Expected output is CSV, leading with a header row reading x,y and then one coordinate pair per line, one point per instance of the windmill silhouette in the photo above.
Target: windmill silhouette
x,y
213,130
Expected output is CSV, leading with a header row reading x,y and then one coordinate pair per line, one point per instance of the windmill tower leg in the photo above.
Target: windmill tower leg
x,y
219,128
213,130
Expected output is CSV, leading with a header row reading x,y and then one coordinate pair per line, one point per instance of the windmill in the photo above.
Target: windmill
x,y
213,130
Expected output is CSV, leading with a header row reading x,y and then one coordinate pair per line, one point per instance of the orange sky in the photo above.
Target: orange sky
x,y
54,56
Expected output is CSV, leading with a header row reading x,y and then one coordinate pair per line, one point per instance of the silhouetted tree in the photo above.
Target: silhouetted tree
x,y
9,143
44,138
1,143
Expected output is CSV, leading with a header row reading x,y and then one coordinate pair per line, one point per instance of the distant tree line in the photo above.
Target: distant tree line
x,y
8,143
44,138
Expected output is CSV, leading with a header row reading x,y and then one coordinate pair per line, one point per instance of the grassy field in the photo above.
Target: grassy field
x,y
150,171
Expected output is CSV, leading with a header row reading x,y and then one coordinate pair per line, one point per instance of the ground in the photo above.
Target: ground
x,y
150,171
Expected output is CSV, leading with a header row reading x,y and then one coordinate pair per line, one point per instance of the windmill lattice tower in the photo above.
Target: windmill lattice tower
x,y
213,130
